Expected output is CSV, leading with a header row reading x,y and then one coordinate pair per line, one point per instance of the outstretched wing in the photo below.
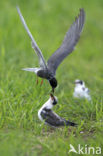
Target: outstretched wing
x,y
52,118
70,40
34,44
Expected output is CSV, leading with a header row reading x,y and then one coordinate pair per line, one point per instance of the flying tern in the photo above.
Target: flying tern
x,y
48,70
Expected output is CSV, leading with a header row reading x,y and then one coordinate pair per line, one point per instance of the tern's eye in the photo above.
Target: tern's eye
x,y
80,82
54,102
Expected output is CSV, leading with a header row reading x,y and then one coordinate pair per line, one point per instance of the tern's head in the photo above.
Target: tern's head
x,y
53,82
53,99
79,82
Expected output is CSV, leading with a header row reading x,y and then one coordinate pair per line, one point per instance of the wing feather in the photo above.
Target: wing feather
x,y
70,40
34,44
52,118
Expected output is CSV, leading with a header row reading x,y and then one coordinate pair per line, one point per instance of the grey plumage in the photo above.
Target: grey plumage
x,y
34,44
70,40
48,70
53,119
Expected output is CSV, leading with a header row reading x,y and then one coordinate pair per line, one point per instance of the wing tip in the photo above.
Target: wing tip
x,y
81,10
81,14
80,19
18,9
23,69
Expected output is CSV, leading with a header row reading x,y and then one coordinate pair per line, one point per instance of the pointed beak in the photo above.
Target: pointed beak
x,y
53,90
51,95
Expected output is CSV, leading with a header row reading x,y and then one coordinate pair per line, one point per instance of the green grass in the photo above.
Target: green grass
x,y
21,132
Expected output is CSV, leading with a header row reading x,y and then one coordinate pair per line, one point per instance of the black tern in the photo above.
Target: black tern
x,y
51,118
80,90
48,70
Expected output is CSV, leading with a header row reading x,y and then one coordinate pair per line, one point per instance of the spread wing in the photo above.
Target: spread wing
x,y
52,118
70,40
34,44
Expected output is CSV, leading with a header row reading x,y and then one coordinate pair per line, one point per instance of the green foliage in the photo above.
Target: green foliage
x,y
21,132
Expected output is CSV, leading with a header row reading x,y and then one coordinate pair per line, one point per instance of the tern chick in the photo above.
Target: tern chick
x,y
48,70
51,118
80,90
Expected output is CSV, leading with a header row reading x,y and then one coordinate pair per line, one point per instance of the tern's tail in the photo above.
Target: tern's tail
x,y
68,123
35,70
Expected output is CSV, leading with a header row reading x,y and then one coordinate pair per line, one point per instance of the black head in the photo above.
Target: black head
x,y
54,99
53,82
79,82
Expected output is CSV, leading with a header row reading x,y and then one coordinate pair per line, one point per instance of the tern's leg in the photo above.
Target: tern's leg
x,y
41,83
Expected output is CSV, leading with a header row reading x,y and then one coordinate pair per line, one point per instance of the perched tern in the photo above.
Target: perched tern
x,y
48,70
51,118
80,90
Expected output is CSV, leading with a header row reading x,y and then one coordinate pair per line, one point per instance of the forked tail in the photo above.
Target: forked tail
x,y
35,70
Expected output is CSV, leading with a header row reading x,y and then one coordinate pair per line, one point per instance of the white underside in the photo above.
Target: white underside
x,y
39,115
47,105
80,93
